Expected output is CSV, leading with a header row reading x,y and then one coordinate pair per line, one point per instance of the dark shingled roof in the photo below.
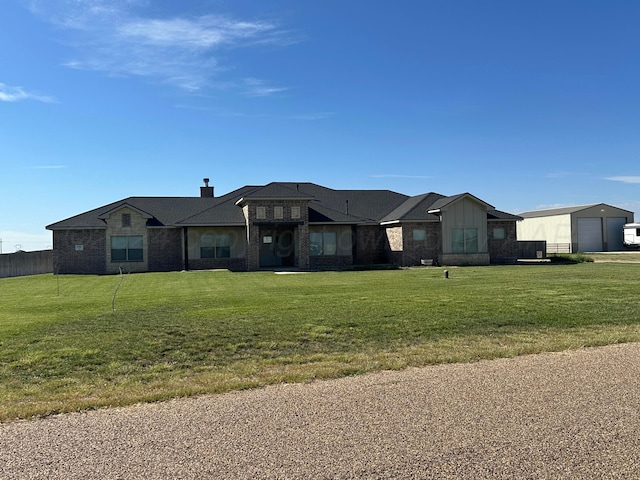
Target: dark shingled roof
x,y
325,206
166,211
414,208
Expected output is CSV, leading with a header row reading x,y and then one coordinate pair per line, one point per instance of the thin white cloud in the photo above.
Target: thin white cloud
x,y
182,51
625,179
401,176
258,88
17,94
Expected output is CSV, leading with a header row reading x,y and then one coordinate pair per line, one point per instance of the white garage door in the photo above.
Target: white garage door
x,y
590,234
614,233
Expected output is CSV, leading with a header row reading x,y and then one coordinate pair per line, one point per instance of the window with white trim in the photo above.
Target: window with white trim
x,y
278,212
261,213
295,211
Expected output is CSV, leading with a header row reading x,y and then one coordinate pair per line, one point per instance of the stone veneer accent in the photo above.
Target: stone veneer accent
x,y
138,226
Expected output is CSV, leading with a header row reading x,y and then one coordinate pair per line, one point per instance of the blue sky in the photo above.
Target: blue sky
x,y
525,104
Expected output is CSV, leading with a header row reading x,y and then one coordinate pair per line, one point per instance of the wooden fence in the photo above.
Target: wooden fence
x,y
26,263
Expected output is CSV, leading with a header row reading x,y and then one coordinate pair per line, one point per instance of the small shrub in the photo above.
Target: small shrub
x,y
569,258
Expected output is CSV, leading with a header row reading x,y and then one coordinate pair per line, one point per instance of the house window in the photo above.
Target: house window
x,y
126,248
295,212
126,220
419,234
499,233
278,212
323,243
464,240
261,213
215,246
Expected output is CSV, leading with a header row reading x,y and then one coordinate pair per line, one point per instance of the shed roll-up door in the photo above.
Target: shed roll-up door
x,y
614,233
590,234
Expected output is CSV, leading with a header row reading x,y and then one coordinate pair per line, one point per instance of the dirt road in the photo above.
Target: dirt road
x,y
566,415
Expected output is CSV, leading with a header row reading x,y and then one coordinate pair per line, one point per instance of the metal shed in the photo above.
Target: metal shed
x,y
585,228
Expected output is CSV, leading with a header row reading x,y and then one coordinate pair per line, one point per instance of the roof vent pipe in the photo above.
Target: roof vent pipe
x,y
206,191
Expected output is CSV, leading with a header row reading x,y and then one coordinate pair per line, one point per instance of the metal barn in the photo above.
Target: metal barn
x,y
585,228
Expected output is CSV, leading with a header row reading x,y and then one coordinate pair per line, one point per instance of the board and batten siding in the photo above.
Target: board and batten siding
x,y
465,213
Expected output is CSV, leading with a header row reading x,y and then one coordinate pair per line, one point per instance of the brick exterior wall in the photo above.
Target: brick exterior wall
x,y
330,261
79,251
503,251
372,245
233,264
253,228
414,251
165,249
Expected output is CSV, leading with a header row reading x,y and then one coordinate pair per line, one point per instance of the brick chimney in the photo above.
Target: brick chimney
x,y
206,191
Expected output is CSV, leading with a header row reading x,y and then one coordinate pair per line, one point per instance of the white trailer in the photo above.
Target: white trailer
x,y
631,235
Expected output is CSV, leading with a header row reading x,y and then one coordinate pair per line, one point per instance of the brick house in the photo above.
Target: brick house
x,y
283,225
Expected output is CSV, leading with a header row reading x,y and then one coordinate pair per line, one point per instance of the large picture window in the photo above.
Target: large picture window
x,y
323,243
464,240
126,248
215,246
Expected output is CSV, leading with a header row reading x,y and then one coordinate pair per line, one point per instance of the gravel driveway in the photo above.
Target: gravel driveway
x,y
567,415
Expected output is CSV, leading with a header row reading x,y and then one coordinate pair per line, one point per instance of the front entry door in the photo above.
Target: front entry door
x,y
277,247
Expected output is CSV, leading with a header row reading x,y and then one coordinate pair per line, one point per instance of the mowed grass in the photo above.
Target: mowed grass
x,y
63,348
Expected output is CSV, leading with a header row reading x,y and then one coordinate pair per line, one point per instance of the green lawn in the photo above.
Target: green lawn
x,y
63,348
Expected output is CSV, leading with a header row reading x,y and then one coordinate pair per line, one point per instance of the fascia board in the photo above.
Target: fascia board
x,y
49,227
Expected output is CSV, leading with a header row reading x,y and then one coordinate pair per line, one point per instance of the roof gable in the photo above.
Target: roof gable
x,y
326,205
108,213
275,191
161,211
446,202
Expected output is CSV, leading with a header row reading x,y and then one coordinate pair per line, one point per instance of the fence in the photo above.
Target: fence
x,y
558,248
26,263
532,249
